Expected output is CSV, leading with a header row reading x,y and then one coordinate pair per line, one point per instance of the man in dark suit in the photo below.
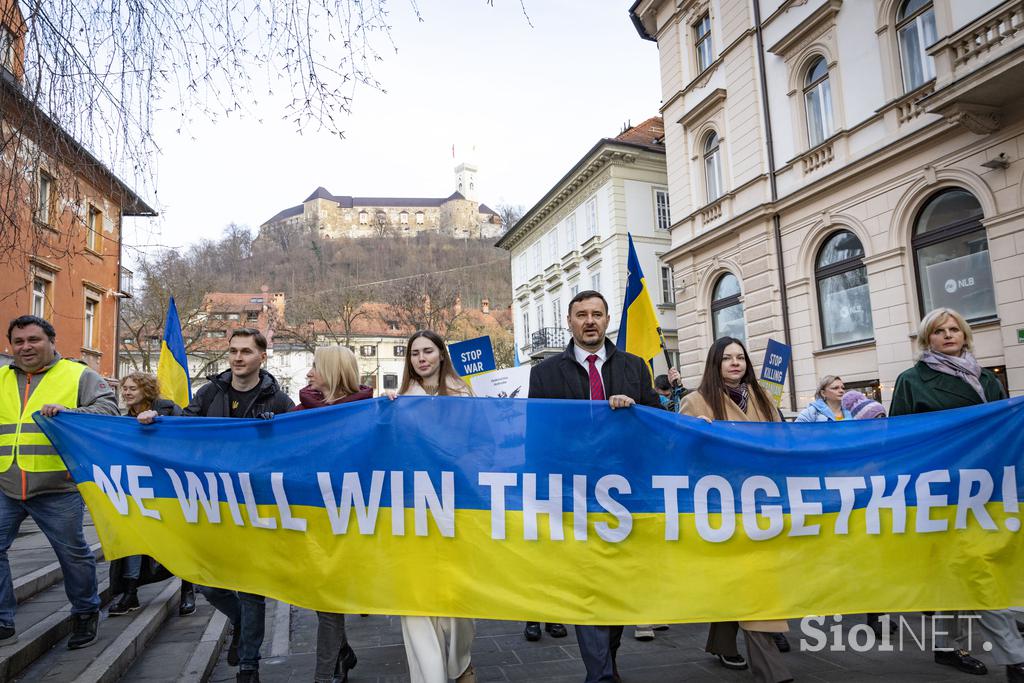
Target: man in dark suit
x,y
591,368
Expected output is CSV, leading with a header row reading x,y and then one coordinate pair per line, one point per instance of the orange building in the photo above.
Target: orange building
x,y
60,220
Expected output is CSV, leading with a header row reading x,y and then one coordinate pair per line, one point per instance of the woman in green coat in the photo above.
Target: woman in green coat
x,y
948,376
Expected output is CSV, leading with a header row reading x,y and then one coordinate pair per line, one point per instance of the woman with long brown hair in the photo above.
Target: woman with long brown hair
x,y
438,648
333,380
141,394
729,391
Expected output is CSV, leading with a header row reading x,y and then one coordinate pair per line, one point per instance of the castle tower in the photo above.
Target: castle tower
x,y
465,180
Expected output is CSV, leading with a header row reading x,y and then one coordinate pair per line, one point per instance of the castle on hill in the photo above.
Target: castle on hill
x,y
333,216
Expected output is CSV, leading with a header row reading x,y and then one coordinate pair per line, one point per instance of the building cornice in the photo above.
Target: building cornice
x,y
807,28
607,153
700,111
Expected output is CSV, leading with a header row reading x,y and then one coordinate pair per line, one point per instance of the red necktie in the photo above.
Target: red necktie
x,y
596,387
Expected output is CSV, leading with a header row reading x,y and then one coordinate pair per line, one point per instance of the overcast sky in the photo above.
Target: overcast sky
x,y
523,103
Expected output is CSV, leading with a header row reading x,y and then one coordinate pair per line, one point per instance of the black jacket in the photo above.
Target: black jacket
x,y
623,373
213,399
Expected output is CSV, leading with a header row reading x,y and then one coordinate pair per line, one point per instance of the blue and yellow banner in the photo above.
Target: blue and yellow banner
x,y
172,367
566,510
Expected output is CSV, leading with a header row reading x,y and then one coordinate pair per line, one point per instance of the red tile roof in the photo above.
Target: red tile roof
x,y
650,132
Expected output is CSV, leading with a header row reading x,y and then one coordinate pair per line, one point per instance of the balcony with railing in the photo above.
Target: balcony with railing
x,y
979,69
548,341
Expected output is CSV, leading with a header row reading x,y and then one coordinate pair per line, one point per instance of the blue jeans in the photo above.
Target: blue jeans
x,y
59,516
246,613
132,567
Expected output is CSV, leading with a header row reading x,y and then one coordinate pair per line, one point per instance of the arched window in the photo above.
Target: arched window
x,y
951,256
726,309
818,102
915,29
713,166
844,304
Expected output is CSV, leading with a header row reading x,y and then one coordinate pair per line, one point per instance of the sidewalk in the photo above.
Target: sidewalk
x,y
501,654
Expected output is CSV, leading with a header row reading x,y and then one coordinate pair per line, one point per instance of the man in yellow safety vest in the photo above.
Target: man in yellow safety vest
x,y
33,479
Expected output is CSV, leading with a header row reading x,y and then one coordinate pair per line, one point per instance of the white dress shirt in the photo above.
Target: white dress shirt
x,y
581,358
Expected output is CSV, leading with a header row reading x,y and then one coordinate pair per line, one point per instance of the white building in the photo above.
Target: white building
x,y
838,169
381,359
574,239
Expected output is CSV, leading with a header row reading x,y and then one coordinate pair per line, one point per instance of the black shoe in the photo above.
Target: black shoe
x,y
962,660
247,677
127,602
781,641
348,659
233,646
556,630
83,629
187,601
7,635
736,662
532,631
1015,673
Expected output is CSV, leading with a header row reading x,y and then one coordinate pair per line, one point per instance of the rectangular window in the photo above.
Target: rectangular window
x,y
570,230
252,317
553,245
390,381
256,300
399,350
94,229
668,295
364,218
92,307
702,42
419,218
367,350
556,310
216,334
403,218
44,210
595,282
536,257
592,217
40,296
526,326
540,315
7,49
574,289
871,388
232,316
661,210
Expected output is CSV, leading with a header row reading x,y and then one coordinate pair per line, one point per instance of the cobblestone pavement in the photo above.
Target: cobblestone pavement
x,y
501,654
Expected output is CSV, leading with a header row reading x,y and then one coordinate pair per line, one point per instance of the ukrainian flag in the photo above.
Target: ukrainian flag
x,y
639,331
172,368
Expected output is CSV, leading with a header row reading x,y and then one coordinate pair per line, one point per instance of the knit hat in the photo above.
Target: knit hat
x,y
861,407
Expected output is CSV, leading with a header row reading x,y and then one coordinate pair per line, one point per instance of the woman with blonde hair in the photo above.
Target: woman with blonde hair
x,y
827,405
438,648
141,394
730,391
947,375
333,380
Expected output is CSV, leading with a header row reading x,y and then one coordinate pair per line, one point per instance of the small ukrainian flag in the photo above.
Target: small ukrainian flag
x,y
639,331
172,368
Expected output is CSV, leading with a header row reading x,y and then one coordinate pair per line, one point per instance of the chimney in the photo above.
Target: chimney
x,y
485,306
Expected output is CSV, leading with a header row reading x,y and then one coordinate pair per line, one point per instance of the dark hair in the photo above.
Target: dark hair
x,y
26,320
261,341
713,390
661,382
445,371
587,294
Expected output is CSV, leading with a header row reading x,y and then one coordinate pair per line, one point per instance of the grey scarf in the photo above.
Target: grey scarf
x,y
963,366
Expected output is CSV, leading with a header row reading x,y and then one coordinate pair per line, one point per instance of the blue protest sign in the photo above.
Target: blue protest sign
x,y
775,367
473,356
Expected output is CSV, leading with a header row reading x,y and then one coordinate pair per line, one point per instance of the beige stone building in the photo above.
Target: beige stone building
x,y
333,216
837,169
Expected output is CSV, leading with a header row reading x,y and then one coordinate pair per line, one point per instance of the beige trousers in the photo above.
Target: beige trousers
x,y
438,648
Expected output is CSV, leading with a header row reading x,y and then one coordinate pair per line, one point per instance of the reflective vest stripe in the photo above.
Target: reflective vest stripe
x,y
20,436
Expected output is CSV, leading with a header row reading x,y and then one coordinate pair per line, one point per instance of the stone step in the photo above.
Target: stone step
x,y
184,650
119,641
41,622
